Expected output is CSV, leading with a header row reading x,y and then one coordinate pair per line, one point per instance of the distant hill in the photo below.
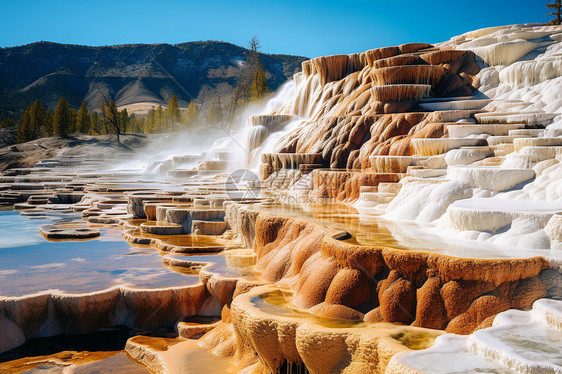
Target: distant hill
x,y
141,74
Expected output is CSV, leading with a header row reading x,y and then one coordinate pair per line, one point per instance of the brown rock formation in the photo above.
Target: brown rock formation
x,y
344,185
261,342
331,277
362,106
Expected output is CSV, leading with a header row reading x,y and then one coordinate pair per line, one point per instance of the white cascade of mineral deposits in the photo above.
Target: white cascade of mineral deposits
x,y
510,190
254,131
519,341
246,141
298,101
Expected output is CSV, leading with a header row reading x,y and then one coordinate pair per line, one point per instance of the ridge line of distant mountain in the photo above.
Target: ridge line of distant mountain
x,y
143,44
129,73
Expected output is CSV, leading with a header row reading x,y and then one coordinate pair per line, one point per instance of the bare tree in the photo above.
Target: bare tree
x,y
110,115
242,92
255,47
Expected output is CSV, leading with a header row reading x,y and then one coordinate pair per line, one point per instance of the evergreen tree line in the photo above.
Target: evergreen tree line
x,y
160,120
37,122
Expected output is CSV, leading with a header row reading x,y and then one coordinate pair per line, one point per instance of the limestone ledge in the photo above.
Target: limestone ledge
x,y
322,345
68,232
335,279
53,313
133,236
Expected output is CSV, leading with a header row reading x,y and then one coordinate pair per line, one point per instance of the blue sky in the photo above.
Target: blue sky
x,y
309,28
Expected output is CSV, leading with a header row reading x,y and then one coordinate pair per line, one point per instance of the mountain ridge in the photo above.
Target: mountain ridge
x,y
130,73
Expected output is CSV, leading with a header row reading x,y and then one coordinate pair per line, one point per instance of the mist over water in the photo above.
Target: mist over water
x,y
256,129
239,141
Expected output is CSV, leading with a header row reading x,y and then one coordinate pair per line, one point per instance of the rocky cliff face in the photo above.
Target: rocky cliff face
x,y
132,73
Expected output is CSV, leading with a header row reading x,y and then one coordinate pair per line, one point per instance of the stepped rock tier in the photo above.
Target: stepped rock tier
x,y
407,218
354,99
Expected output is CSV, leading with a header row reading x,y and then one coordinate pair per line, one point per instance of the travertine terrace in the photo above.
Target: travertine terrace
x,y
407,216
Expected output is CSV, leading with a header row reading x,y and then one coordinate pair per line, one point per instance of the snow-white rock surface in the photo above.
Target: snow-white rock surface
x,y
509,189
519,341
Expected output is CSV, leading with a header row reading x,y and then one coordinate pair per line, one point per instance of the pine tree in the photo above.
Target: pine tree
x,y
73,118
39,124
173,112
35,121
95,125
159,119
48,125
137,124
62,118
259,89
83,121
124,120
191,114
150,122
557,6
105,129
140,125
7,122
23,133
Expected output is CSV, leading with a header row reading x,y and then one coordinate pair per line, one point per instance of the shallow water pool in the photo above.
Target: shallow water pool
x,y
30,264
